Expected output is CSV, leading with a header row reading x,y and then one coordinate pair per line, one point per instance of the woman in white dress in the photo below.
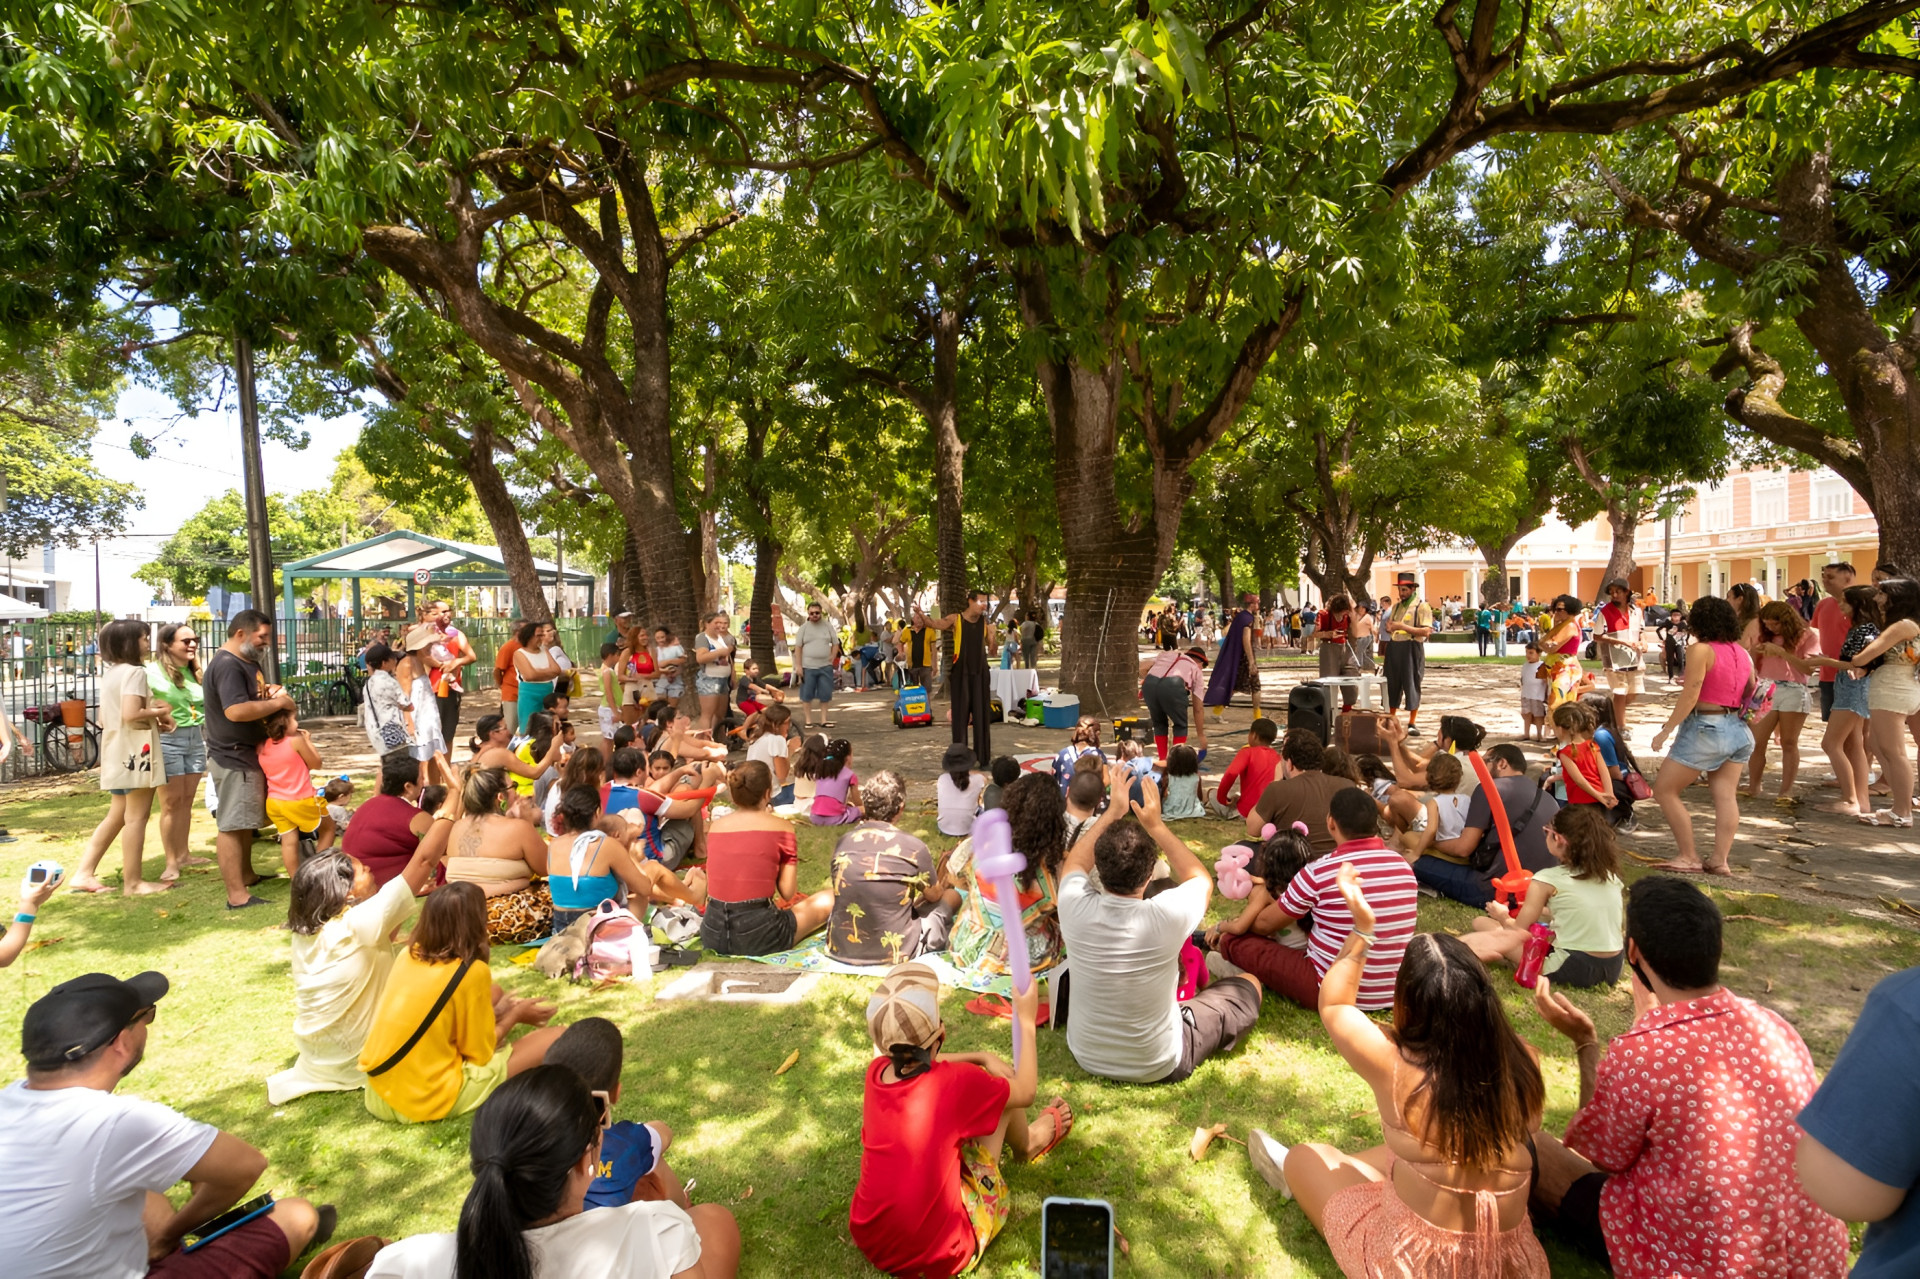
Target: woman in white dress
x,y
343,927
416,677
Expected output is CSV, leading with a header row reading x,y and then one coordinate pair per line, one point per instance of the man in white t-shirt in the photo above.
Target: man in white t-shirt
x,y
86,1169
1127,1021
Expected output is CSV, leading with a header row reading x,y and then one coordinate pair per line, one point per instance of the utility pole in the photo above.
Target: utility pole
x,y
1666,559
259,547
96,587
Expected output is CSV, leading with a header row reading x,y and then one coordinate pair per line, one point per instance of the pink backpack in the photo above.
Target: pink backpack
x,y
615,939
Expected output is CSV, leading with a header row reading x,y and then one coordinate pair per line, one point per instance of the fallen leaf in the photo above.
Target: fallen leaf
x,y
1769,985
1126,1249
1203,1138
50,941
161,913
605,983
745,1194
785,1066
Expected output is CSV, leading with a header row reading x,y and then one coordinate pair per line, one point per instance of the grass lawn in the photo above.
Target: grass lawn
x,y
783,1152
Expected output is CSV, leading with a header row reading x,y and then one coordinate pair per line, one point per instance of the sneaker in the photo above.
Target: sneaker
x,y
1428,892
1627,827
1268,1157
1221,967
1414,731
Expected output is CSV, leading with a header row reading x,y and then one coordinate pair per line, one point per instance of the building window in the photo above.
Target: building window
x,y
1716,508
1769,500
1831,496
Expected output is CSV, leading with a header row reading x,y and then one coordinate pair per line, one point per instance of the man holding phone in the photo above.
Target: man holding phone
x,y
87,1169
238,701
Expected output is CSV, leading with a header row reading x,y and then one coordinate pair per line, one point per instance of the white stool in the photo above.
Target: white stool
x,y
1371,688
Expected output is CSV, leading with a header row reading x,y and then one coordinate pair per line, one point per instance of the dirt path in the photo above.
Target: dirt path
x,y
1799,852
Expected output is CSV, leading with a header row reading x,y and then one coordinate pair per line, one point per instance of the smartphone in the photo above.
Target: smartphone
x,y
238,1215
1076,1239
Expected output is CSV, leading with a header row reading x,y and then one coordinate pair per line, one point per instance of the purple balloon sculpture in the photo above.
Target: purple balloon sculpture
x,y
995,862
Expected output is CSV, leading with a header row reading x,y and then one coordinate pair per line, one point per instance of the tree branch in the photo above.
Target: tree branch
x,y
1757,407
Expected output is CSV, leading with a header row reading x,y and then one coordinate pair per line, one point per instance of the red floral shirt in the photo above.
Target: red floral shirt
x,y
1694,1115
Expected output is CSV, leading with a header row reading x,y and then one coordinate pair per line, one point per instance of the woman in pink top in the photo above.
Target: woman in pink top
x,y
1713,740
288,759
1782,634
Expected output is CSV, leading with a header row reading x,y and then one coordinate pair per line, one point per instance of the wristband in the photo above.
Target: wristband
x,y
21,917
1365,937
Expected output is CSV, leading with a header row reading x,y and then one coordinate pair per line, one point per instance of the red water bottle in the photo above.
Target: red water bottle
x,y
1539,946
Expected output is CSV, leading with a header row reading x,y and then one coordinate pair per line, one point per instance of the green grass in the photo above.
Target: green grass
x,y
784,1152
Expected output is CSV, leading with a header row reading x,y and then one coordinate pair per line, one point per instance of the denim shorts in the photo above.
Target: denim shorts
x,y
1850,694
1706,742
184,750
816,684
711,685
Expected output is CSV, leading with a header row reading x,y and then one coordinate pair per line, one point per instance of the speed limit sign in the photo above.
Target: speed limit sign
x,y
422,576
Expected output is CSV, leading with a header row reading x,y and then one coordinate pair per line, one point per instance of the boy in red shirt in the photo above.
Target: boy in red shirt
x,y
1252,770
930,1198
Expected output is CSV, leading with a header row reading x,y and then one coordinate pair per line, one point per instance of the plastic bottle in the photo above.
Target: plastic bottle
x,y
1539,946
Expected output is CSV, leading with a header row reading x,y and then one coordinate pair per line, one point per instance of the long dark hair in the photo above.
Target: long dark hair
x,y
1899,600
320,890
483,729
1591,852
541,728
1482,1091
823,760
1037,812
527,1138
1864,603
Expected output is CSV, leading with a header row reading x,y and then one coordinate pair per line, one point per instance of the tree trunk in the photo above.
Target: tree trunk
x,y
1623,517
949,455
766,579
503,517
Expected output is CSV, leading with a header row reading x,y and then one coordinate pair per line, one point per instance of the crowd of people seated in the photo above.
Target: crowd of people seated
x,y
1702,1144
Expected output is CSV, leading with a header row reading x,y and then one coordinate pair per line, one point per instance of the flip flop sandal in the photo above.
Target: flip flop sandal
x,y
1682,870
251,901
995,1006
1062,1125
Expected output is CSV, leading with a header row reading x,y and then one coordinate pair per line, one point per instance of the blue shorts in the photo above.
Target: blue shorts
x,y
184,750
711,685
1850,694
1707,742
816,684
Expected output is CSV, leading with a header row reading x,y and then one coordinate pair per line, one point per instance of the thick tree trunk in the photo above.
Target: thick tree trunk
x,y
766,580
941,411
1623,517
503,517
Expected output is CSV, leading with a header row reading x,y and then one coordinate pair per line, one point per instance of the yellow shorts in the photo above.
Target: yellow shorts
x,y
303,815
477,1083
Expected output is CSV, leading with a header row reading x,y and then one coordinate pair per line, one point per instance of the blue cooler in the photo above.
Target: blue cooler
x,y
1062,710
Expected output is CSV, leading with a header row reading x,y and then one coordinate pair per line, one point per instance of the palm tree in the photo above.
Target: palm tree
x,y
893,942
854,916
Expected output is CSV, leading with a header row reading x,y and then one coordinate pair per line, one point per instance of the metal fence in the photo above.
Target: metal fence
x,y
45,664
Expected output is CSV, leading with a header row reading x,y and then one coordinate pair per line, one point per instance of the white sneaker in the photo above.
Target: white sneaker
x,y
1221,967
1268,1156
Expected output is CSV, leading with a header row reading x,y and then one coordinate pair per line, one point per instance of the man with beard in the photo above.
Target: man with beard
x,y
88,1169
238,701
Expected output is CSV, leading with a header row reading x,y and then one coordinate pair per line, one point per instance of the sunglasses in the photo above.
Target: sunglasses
x,y
145,1016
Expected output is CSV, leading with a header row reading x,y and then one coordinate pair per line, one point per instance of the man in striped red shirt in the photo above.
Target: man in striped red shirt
x,y
1388,882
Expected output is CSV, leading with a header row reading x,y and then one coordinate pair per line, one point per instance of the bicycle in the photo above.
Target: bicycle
x,y
62,748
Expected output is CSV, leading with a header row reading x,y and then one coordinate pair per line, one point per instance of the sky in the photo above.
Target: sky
x,y
195,462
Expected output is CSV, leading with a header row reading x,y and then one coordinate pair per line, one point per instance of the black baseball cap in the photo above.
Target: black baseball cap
x,y
80,1016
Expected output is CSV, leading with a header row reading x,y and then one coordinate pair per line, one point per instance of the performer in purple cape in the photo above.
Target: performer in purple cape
x,y
1236,670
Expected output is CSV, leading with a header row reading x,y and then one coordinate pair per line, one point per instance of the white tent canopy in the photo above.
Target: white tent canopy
x,y
14,610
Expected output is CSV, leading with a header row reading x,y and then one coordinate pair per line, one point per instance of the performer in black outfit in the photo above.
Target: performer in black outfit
x,y
968,691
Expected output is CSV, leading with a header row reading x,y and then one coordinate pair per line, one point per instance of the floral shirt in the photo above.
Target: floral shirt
x,y
1693,1114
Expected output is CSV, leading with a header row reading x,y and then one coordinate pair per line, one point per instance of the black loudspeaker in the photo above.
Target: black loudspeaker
x,y
1310,706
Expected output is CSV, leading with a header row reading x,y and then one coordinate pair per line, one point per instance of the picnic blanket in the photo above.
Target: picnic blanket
x,y
811,956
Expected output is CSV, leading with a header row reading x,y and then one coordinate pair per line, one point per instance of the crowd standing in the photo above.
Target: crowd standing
x,y
534,837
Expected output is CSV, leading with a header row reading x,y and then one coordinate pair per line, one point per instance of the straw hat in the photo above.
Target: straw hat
x,y
419,637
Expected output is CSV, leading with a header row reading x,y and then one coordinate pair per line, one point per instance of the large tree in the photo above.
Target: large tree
x,y
53,395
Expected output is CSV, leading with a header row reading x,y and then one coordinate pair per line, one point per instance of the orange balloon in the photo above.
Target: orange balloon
x,y
1512,886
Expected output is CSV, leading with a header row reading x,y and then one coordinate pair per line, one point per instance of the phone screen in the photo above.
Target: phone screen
x,y
36,874
227,1220
1078,1242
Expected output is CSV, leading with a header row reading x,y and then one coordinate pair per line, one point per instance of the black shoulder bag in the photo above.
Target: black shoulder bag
x,y
432,1014
1482,859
